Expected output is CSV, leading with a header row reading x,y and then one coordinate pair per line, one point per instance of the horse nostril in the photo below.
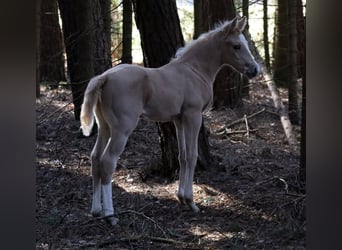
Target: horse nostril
x,y
255,70
252,71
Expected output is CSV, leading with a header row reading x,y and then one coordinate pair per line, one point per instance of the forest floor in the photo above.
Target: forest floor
x,y
249,198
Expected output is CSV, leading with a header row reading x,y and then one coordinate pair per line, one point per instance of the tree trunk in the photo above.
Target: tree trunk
x,y
207,15
198,18
266,42
300,40
102,42
161,36
227,88
302,169
127,32
78,38
38,9
281,60
160,30
245,11
293,83
51,45
280,107
243,84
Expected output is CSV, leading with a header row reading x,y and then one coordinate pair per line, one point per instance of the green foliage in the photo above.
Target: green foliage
x,y
186,17
116,30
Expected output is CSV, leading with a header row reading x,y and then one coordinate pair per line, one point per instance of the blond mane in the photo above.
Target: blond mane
x,y
219,26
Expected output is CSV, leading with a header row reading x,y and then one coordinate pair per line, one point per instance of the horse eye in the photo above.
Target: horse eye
x,y
236,47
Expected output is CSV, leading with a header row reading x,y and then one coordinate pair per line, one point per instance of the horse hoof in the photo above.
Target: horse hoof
x,y
194,208
96,213
111,220
181,200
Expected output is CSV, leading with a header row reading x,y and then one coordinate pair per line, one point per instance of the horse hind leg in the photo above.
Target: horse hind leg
x,y
101,142
120,132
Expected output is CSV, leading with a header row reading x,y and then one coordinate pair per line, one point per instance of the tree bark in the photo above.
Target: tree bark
x,y
198,18
38,20
266,42
51,45
160,30
302,169
281,60
102,36
293,83
245,11
300,40
229,86
279,105
127,32
79,39
161,36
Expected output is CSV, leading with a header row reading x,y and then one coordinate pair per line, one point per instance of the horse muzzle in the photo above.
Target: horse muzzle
x,y
252,71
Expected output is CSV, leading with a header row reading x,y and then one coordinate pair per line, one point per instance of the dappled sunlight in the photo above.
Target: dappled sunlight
x,y
242,198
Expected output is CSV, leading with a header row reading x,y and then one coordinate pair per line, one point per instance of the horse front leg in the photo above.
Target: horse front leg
x,y
181,158
192,126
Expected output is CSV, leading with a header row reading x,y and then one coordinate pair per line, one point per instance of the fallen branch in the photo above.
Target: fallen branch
x,y
167,240
239,121
230,132
144,216
278,104
42,120
247,127
139,238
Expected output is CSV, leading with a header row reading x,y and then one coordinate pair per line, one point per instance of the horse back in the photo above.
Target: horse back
x,y
160,94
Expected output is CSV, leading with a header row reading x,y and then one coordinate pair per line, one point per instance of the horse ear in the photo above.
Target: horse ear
x,y
229,27
241,24
234,22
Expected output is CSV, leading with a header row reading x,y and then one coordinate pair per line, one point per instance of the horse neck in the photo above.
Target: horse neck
x,y
204,59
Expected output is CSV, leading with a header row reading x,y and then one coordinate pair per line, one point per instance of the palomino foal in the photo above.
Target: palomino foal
x,y
178,91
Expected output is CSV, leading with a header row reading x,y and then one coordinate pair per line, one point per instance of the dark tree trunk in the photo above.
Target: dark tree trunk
x,y
38,10
78,25
161,36
274,41
302,169
51,45
293,83
266,42
245,11
213,12
207,15
281,60
102,42
160,30
227,88
127,32
198,18
300,39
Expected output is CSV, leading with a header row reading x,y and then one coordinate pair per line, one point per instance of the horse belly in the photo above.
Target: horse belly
x,y
162,110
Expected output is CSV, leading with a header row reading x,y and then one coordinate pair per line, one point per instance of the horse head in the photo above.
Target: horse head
x,y
235,47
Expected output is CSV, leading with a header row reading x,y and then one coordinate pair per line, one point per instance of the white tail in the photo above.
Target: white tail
x,y
91,96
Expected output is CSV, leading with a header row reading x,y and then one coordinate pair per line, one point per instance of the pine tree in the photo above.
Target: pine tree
x,y
161,36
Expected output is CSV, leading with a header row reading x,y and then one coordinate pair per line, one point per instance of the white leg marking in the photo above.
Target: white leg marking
x,y
107,199
96,207
108,209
